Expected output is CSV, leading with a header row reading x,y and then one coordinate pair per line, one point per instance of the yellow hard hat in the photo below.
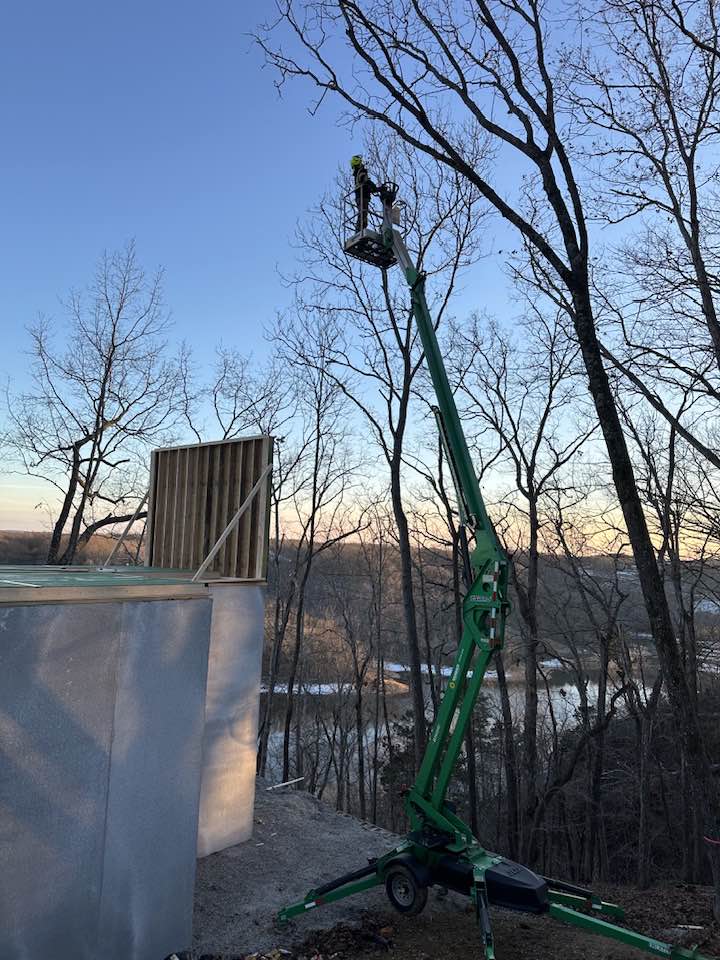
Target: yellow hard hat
x,y
356,161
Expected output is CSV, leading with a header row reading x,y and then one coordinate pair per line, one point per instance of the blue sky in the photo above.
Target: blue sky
x,y
154,121
151,121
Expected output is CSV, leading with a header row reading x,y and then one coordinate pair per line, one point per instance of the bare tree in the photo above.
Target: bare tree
x,y
673,480
376,560
522,397
585,614
358,631
103,391
654,113
322,516
649,100
240,395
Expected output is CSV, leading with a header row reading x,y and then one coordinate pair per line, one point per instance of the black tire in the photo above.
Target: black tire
x,y
404,892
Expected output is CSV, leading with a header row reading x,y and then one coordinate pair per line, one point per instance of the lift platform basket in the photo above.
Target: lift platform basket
x,y
363,239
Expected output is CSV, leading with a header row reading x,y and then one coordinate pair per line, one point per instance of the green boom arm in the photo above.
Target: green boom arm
x,y
485,605
436,830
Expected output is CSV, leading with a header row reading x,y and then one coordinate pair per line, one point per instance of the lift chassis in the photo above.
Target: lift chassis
x,y
440,848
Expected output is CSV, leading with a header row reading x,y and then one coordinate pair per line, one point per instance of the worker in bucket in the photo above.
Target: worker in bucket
x,y
364,188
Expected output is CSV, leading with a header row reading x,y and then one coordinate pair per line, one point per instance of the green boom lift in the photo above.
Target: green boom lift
x,y
440,848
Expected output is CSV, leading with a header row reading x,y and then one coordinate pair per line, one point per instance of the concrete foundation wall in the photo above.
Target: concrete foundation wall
x,y
101,727
231,716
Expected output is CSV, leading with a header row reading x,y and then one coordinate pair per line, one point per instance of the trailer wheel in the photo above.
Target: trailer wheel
x,y
404,892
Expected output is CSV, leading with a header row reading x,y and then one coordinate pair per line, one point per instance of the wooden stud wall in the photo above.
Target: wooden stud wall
x,y
195,492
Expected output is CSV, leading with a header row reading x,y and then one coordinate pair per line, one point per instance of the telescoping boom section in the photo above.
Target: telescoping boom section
x,y
440,848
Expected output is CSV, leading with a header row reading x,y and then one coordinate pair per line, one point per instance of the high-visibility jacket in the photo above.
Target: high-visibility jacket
x,y
363,184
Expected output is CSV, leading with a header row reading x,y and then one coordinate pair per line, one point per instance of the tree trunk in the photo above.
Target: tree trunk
x,y
56,536
299,717
408,599
527,603
651,583
597,760
360,729
292,676
376,742
686,820
531,693
266,724
426,639
280,622
644,749
707,302
509,761
529,742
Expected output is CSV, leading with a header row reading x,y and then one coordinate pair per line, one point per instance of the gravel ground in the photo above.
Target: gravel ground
x,y
298,843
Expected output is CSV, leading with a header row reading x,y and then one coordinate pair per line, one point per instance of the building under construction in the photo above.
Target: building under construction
x,y
128,718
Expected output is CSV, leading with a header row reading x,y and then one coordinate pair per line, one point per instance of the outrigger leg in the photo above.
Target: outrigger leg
x,y
344,886
482,913
638,940
580,898
575,905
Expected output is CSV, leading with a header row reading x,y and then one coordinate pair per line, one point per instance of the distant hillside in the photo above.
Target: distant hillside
x,y
31,547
